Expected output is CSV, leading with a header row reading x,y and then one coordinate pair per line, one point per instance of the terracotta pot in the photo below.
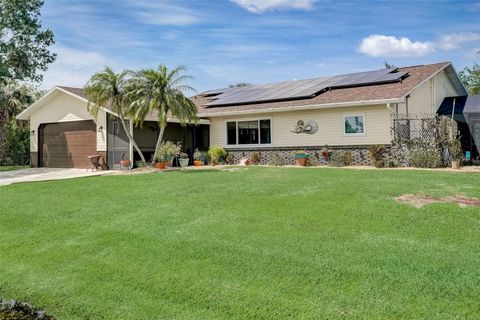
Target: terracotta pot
x,y
160,165
198,163
456,164
301,161
125,164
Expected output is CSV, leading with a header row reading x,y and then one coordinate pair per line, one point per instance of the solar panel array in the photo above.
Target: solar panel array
x,y
298,89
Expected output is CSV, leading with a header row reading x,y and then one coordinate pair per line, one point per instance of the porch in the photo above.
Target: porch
x,y
190,136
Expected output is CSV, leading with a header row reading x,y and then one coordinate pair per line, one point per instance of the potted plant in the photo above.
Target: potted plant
x,y
125,164
159,160
301,157
199,158
166,153
325,153
183,159
456,152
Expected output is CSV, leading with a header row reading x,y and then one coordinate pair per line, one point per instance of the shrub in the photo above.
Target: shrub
x,y
376,153
216,154
230,159
347,158
255,158
455,149
425,158
15,149
167,151
276,160
341,158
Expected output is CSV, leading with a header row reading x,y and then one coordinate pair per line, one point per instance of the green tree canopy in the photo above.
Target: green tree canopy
x,y
24,46
471,78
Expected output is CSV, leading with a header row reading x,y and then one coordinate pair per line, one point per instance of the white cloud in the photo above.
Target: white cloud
x,y
453,40
259,6
74,67
378,45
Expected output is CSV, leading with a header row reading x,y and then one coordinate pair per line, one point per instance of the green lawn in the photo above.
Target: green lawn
x,y
256,243
11,168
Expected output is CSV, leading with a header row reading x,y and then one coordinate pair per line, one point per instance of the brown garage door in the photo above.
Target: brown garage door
x,y
67,144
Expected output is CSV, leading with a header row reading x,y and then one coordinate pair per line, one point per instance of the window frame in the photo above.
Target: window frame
x,y
345,116
259,144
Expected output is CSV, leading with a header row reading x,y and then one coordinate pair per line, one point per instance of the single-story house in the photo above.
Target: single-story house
x,y
350,111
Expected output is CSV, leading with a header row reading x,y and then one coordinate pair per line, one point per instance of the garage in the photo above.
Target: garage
x,y
67,144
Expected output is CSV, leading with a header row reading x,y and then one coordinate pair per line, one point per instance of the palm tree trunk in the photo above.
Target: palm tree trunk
x,y
159,139
130,137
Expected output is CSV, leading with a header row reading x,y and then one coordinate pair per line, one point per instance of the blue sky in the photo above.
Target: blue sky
x,y
256,41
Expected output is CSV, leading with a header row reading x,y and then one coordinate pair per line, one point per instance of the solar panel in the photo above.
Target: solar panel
x,y
298,89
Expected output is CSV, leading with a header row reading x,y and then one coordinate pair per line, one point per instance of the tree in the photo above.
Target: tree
x,y
239,84
110,87
14,98
162,91
23,45
471,78
389,65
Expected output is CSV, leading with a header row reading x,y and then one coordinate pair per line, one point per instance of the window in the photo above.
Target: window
x,y
231,133
249,132
354,125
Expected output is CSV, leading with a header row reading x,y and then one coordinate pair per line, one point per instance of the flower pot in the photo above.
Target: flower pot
x,y
301,161
160,165
456,164
198,163
169,163
183,162
125,164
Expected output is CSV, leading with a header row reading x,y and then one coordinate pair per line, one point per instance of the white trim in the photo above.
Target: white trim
x,y
175,120
25,114
364,133
240,146
304,107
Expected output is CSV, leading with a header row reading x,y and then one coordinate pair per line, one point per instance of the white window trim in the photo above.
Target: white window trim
x,y
355,134
240,146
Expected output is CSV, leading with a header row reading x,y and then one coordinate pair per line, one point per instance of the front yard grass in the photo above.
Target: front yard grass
x,y
12,168
256,243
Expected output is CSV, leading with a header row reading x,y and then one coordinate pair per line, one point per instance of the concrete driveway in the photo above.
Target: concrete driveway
x,y
44,174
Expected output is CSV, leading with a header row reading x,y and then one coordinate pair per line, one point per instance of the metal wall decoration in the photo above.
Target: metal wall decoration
x,y
308,127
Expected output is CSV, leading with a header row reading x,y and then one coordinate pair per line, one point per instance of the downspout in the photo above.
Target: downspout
x,y
453,108
406,104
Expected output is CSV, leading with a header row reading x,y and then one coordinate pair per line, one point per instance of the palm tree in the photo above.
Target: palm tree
x,y
162,91
108,86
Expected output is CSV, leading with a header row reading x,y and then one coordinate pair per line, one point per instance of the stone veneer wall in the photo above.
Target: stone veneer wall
x,y
360,154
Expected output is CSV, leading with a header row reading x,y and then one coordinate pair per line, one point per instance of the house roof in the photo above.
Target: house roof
x,y
392,92
367,94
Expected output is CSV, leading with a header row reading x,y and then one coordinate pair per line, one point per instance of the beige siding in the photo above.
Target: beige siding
x,y
63,107
427,97
420,100
443,88
330,127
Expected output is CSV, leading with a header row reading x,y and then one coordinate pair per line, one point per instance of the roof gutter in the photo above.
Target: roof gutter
x,y
305,107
